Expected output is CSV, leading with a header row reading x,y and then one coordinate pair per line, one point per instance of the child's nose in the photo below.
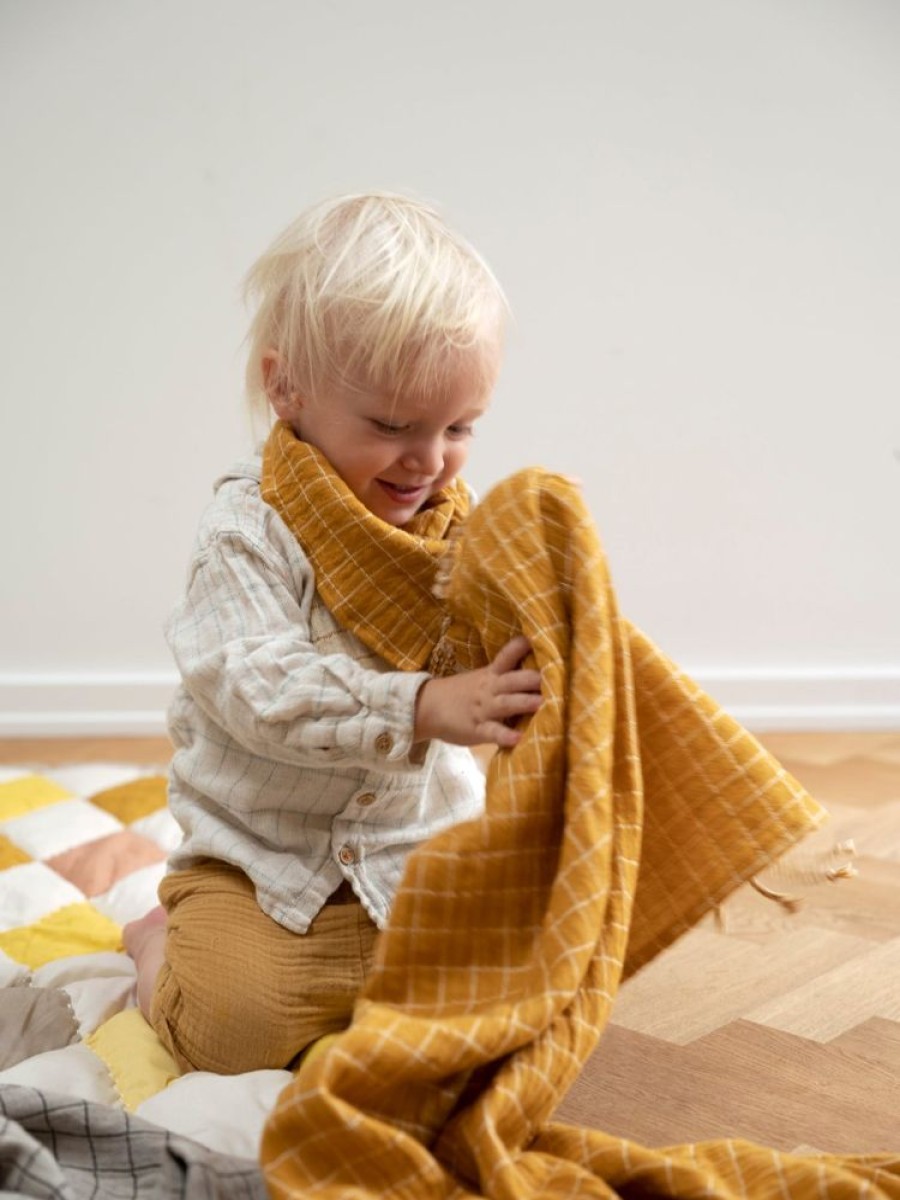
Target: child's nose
x,y
426,457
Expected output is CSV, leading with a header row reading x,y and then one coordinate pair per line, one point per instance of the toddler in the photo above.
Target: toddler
x,y
321,729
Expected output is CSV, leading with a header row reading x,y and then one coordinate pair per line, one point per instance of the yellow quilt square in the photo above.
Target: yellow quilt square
x,y
10,854
21,796
130,801
75,929
138,1062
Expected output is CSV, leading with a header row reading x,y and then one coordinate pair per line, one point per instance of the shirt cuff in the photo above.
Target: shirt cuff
x,y
389,730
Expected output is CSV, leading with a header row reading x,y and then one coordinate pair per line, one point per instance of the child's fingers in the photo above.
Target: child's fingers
x,y
498,734
511,655
520,681
515,704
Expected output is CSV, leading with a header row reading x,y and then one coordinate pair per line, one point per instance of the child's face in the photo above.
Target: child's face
x,y
393,454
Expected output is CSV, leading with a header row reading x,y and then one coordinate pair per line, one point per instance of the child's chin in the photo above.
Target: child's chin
x,y
398,518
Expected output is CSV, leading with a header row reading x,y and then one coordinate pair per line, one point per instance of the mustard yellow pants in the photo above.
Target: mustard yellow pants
x,y
238,991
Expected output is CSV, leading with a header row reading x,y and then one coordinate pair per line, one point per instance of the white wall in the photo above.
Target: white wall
x,y
693,208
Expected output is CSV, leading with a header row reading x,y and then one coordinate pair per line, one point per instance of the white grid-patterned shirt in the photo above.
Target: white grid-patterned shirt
x,y
294,757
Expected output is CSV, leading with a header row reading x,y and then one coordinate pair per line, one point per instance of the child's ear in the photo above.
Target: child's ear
x,y
275,382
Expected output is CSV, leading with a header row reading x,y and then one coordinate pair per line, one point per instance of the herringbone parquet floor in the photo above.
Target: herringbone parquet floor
x,y
783,1029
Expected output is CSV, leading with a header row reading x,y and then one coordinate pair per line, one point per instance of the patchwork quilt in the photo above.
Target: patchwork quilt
x,y
82,851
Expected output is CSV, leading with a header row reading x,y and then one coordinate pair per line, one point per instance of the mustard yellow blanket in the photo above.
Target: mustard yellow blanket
x,y
632,805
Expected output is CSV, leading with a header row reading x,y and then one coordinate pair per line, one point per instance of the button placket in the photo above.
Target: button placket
x,y
347,855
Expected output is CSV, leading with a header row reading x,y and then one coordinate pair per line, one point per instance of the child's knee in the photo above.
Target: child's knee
x,y
220,1026
237,991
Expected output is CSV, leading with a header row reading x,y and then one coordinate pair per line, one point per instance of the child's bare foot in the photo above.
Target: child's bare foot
x,y
136,933
145,941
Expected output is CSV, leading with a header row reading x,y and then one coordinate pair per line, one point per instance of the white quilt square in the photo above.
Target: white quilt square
x,y
31,891
160,827
9,774
133,895
104,964
87,779
75,1071
96,1000
12,973
74,823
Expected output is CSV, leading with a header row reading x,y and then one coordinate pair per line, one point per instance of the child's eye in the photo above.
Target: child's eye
x,y
387,427
460,431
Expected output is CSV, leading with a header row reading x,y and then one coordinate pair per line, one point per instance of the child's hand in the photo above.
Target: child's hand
x,y
473,708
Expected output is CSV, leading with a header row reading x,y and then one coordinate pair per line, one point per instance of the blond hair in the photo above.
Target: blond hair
x,y
371,291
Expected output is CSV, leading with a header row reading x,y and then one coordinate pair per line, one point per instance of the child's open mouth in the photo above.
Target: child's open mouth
x,y
401,495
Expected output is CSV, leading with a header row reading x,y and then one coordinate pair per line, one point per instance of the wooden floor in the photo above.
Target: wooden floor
x,y
783,1029
54,752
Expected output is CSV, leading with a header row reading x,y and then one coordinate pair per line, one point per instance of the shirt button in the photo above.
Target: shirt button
x,y
383,743
346,855
366,799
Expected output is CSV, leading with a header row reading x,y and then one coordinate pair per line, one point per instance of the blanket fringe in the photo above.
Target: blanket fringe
x,y
809,872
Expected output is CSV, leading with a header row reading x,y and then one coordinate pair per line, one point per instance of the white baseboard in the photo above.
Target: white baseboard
x,y
808,698
111,704
92,704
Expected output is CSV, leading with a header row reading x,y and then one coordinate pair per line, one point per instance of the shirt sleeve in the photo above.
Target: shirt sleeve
x,y
242,643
